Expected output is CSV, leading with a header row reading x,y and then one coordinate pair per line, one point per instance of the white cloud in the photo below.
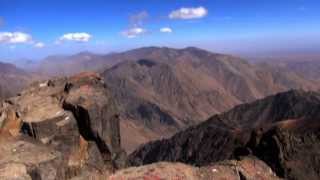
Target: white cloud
x,y
15,37
189,13
39,45
79,37
166,30
135,27
133,32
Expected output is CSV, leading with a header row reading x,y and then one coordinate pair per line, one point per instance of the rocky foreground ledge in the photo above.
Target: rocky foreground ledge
x,y
59,129
68,128
246,168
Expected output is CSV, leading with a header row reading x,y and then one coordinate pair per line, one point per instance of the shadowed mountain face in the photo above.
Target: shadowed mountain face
x,y
282,130
12,80
163,90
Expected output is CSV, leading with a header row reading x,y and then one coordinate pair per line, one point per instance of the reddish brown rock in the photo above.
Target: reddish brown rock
x,y
14,171
10,123
75,117
247,168
38,161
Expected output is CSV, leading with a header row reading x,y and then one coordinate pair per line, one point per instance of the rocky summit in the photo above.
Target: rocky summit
x,y
59,129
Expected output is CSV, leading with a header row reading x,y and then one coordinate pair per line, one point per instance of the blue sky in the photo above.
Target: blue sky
x,y
233,26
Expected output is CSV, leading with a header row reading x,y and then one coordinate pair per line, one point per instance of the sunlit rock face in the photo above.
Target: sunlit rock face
x,y
73,121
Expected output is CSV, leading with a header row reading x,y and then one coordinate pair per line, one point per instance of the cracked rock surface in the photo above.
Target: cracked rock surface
x,y
62,127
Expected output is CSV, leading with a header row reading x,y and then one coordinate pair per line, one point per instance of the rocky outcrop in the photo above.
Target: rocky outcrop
x,y
14,171
10,123
293,152
31,159
247,168
281,130
75,117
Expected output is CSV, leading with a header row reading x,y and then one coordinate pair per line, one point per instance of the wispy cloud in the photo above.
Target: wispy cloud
x,y
136,23
134,32
189,13
77,36
166,30
15,37
39,45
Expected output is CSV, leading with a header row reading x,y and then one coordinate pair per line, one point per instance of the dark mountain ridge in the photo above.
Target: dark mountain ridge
x,y
282,130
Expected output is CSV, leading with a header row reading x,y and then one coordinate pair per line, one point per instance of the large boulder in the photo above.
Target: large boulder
x,y
73,116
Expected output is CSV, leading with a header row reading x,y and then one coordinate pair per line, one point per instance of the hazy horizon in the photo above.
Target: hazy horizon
x,y
36,29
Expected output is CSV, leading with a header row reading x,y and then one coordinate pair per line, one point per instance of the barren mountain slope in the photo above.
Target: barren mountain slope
x,y
163,90
12,80
310,69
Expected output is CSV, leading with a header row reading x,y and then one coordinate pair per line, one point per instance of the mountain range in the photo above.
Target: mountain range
x,y
69,128
167,90
161,90
208,115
